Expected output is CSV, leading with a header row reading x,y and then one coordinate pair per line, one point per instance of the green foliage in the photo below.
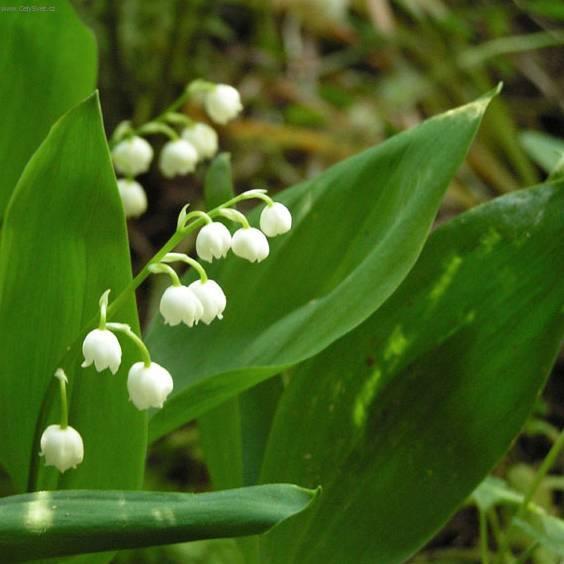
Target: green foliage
x,y
338,264
46,524
544,149
64,242
547,530
48,61
407,413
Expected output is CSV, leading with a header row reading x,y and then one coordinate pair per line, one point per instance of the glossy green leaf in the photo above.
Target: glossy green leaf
x,y
544,149
358,229
402,418
234,435
64,242
47,524
48,64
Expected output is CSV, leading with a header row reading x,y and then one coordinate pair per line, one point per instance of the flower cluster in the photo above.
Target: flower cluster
x,y
148,383
132,154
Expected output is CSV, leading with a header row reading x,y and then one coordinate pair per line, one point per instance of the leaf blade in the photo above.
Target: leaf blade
x,y
47,524
77,256
407,413
51,61
318,282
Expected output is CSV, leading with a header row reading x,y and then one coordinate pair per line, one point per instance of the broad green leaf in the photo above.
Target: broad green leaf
x,y
358,229
544,149
46,524
402,418
234,435
48,64
64,242
210,551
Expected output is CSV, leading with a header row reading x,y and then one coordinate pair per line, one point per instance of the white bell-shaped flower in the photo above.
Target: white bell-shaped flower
x,y
275,220
177,158
132,156
133,197
102,348
212,298
250,243
179,304
148,386
213,241
223,103
203,138
62,447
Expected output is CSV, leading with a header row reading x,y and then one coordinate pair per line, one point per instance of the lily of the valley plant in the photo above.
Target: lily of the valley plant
x,y
148,383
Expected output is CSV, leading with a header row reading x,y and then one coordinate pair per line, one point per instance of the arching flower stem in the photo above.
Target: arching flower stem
x,y
128,332
63,381
161,268
181,257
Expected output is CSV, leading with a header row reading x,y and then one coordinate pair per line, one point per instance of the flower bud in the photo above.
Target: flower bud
x,y
223,103
203,138
212,298
132,196
213,241
250,243
62,448
275,220
178,157
132,156
101,347
179,304
148,386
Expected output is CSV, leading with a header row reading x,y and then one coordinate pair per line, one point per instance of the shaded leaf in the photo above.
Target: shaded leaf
x,y
358,229
48,61
55,262
405,415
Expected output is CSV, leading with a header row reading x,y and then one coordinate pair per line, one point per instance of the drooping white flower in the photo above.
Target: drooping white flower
x,y
223,103
148,386
102,348
62,447
212,298
250,243
132,156
275,220
178,157
213,241
203,138
133,197
179,304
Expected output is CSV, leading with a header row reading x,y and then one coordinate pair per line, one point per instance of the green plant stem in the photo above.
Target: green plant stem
x,y
161,268
484,552
181,257
236,216
546,465
501,543
128,332
60,375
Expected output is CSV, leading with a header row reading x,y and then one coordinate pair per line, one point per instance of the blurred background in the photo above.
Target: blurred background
x,y
321,80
